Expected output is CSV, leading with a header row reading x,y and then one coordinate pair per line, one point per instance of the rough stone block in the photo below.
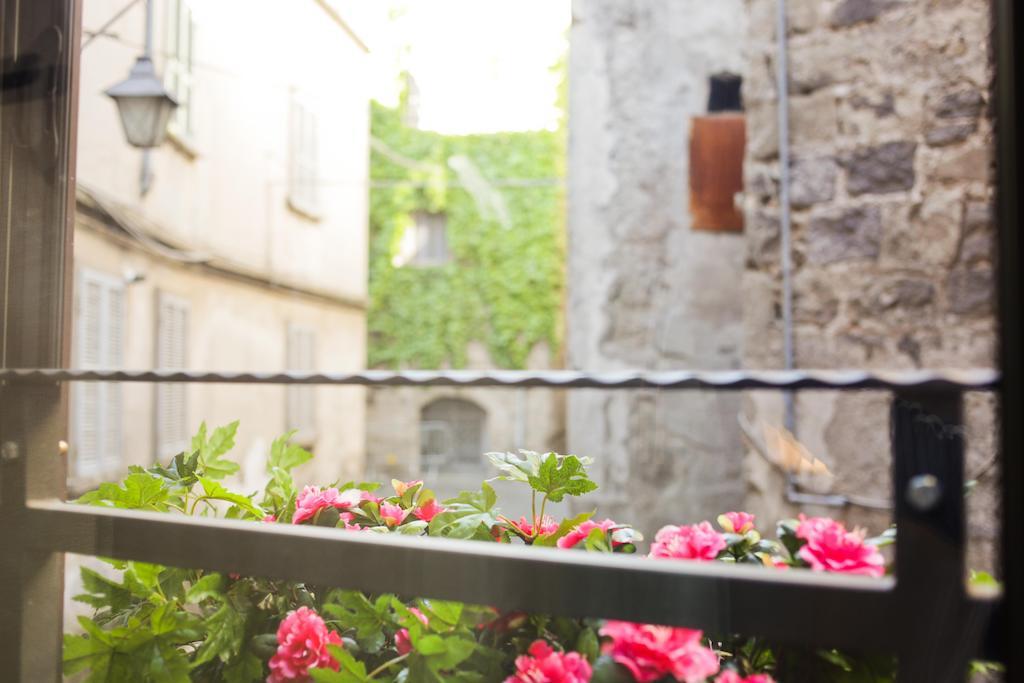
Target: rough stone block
x,y
762,233
813,118
881,169
940,136
850,12
853,233
813,181
962,104
970,291
970,164
762,131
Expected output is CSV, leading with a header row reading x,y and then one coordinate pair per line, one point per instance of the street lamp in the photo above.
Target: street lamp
x,y
144,104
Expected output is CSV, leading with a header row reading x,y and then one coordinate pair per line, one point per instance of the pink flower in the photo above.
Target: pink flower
x,y
547,526
831,548
693,542
427,511
581,531
302,640
402,642
402,486
312,500
730,676
736,522
542,664
269,518
392,514
653,652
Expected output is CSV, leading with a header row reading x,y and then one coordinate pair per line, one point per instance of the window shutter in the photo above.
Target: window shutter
x,y
717,145
96,406
180,43
300,408
172,433
304,159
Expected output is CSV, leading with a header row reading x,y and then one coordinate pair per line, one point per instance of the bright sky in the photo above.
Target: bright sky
x,y
481,65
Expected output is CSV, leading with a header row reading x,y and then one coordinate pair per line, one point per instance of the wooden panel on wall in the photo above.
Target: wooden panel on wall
x,y
717,142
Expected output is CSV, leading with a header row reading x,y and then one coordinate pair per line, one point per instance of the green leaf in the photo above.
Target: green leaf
x,y
350,670
244,669
215,491
225,631
561,475
139,491
287,456
211,460
441,612
211,585
104,592
468,515
429,644
353,610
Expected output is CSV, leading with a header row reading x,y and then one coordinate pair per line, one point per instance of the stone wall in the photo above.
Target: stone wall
x,y
891,146
646,291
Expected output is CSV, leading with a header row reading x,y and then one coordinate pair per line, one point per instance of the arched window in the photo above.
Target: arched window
x,y
451,435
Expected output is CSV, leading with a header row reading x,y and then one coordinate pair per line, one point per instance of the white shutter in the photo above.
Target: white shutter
x,y
304,159
300,406
96,406
172,432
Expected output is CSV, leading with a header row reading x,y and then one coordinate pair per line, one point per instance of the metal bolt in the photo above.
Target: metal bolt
x,y
8,452
62,447
924,492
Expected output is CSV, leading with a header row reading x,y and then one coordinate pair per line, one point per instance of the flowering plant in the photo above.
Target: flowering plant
x,y
159,623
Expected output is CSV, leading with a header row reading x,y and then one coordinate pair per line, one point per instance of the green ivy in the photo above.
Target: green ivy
x,y
503,285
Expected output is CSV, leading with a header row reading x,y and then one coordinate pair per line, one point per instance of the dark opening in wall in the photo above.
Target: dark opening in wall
x,y
725,93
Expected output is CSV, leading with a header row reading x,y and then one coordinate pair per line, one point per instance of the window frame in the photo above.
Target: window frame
x,y
304,170
884,615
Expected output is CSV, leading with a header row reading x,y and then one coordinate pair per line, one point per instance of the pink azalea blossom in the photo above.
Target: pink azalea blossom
x,y
730,676
313,499
402,486
547,526
427,511
302,640
392,514
581,531
368,495
831,548
402,642
736,522
542,664
653,652
269,518
688,542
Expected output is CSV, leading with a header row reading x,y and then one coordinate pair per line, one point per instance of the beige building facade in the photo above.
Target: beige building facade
x,y
238,245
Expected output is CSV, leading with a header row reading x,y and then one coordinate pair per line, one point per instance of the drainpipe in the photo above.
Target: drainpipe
x,y
146,171
793,493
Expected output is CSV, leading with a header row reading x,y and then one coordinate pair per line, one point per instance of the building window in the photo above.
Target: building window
x,y
452,435
99,345
171,411
425,241
178,71
300,404
717,145
304,160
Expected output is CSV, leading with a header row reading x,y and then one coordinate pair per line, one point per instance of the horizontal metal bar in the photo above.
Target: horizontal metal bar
x,y
794,606
924,380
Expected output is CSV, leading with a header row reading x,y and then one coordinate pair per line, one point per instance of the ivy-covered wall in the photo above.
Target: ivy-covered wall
x,y
503,284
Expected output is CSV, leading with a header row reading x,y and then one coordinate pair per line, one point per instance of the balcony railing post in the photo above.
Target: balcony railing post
x,y
38,54
928,476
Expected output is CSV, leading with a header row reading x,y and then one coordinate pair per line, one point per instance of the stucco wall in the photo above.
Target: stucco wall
x,y
892,226
226,194
237,327
645,291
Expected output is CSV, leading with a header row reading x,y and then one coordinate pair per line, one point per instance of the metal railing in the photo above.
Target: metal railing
x,y
924,614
